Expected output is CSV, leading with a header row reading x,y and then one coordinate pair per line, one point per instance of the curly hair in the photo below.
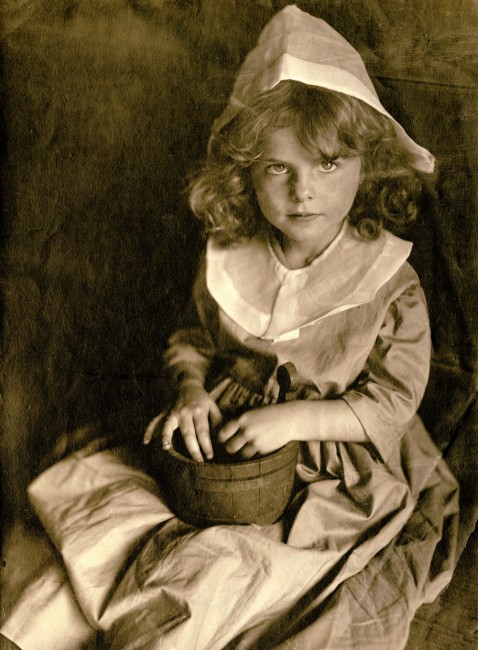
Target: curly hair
x,y
327,123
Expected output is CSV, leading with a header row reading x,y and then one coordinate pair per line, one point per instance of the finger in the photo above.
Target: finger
x,y
169,427
188,430
152,428
249,450
192,445
236,443
215,415
228,430
201,424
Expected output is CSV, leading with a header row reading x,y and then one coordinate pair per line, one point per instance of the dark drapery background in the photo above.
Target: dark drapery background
x,y
106,107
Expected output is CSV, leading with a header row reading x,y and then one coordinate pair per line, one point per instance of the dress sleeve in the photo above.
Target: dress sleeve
x,y
192,347
391,386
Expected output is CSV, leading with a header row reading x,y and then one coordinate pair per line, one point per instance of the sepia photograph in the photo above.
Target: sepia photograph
x,y
239,343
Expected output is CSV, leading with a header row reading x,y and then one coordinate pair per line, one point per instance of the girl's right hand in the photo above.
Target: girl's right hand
x,y
194,412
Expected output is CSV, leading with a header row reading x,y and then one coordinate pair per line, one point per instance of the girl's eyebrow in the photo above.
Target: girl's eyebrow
x,y
275,161
320,158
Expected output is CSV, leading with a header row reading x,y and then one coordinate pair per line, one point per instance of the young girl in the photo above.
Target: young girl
x,y
307,175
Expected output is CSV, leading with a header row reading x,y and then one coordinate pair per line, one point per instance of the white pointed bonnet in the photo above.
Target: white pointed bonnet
x,y
297,46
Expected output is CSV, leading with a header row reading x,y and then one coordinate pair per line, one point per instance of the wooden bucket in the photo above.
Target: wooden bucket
x,y
255,491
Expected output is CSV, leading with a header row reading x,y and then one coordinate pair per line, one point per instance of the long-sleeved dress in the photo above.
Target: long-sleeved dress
x,y
369,535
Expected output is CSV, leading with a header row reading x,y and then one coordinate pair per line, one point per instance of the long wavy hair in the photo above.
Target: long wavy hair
x,y
328,124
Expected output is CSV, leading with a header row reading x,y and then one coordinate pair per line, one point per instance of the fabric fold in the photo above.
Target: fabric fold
x,y
146,580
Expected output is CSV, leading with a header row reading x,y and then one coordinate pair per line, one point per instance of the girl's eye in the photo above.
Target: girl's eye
x,y
277,168
328,165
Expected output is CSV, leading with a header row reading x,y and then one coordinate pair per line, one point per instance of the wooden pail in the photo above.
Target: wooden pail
x,y
255,491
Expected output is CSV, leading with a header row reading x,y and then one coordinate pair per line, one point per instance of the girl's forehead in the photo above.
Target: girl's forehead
x,y
290,140
286,136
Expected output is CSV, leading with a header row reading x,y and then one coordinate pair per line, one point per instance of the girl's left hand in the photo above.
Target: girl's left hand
x,y
263,430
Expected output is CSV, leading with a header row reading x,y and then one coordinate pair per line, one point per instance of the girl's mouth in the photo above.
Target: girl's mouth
x,y
302,215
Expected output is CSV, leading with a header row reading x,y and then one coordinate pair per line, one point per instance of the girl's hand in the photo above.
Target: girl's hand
x,y
263,430
193,413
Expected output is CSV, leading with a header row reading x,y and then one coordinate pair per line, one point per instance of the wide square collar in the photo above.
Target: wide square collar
x,y
270,301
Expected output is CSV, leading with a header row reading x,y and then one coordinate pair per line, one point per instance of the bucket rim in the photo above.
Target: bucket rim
x,y
245,464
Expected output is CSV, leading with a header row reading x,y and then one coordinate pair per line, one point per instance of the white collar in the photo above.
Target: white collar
x,y
268,300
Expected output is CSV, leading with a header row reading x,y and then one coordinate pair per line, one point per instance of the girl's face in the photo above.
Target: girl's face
x,y
304,197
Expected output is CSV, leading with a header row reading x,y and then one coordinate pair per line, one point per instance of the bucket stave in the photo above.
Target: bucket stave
x,y
255,491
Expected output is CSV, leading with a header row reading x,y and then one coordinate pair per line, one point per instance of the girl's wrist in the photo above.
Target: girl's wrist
x,y
185,379
189,387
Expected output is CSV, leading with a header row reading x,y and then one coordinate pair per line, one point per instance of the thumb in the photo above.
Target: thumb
x,y
151,428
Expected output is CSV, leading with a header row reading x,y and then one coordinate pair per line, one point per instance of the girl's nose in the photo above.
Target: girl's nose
x,y
302,188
